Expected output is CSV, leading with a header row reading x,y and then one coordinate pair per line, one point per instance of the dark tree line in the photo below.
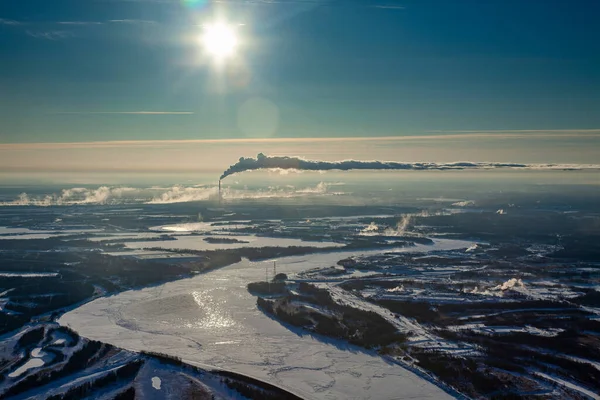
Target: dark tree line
x,y
79,392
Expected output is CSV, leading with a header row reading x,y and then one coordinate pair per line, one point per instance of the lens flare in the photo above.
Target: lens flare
x,y
194,3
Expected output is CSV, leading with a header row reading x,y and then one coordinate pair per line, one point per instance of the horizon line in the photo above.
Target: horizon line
x,y
499,134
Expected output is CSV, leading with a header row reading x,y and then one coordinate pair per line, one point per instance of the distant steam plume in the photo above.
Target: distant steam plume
x,y
163,195
401,228
265,162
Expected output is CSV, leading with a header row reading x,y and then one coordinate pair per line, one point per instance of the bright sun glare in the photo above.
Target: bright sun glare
x,y
219,40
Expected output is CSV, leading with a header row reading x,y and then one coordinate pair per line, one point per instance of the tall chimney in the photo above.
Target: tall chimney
x,y
219,192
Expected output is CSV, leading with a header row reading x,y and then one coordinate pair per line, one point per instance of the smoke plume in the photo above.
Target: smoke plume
x,y
266,162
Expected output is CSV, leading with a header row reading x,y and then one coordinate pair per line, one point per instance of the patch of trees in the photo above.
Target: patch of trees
x,y
569,342
360,284
265,305
221,240
40,244
31,338
464,374
253,388
300,319
32,296
131,272
128,394
263,253
166,359
59,356
543,319
579,247
10,322
127,371
541,314
421,311
221,258
266,288
570,369
73,336
280,277
591,299
81,359
583,324
250,392
75,293
503,305
508,352
316,295
363,328
78,361
46,286
539,226
512,396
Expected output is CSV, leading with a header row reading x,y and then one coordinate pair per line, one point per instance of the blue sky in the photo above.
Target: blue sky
x,y
83,70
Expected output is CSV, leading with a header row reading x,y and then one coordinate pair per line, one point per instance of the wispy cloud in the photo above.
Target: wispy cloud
x,y
127,112
131,21
50,35
389,7
80,23
10,22
38,30
520,131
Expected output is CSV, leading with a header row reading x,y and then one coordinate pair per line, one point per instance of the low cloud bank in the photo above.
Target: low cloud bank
x,y
106,195
74,196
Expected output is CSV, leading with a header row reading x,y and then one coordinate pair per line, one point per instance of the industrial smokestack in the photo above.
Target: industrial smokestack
x,y
219,192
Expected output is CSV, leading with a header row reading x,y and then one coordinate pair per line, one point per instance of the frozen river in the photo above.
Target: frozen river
x,y
213,321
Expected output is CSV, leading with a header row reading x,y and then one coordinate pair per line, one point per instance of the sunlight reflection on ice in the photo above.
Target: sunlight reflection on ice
x,y
214,315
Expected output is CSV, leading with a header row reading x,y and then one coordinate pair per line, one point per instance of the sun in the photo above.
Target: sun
x,y
219,40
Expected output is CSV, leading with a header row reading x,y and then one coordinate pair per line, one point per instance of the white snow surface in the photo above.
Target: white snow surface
x,y
36,360
156,382
31,363
28,274
192,318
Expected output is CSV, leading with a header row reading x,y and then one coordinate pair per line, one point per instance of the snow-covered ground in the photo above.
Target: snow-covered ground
x,y
37,359
569,385
31,363
28,275
213,321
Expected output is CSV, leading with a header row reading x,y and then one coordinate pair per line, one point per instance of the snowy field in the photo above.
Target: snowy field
x,y
213,321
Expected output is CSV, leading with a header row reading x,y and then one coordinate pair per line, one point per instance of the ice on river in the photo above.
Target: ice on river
x,y
192,318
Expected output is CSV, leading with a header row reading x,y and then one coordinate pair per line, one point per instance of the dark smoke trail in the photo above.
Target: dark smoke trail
x,y
265,162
